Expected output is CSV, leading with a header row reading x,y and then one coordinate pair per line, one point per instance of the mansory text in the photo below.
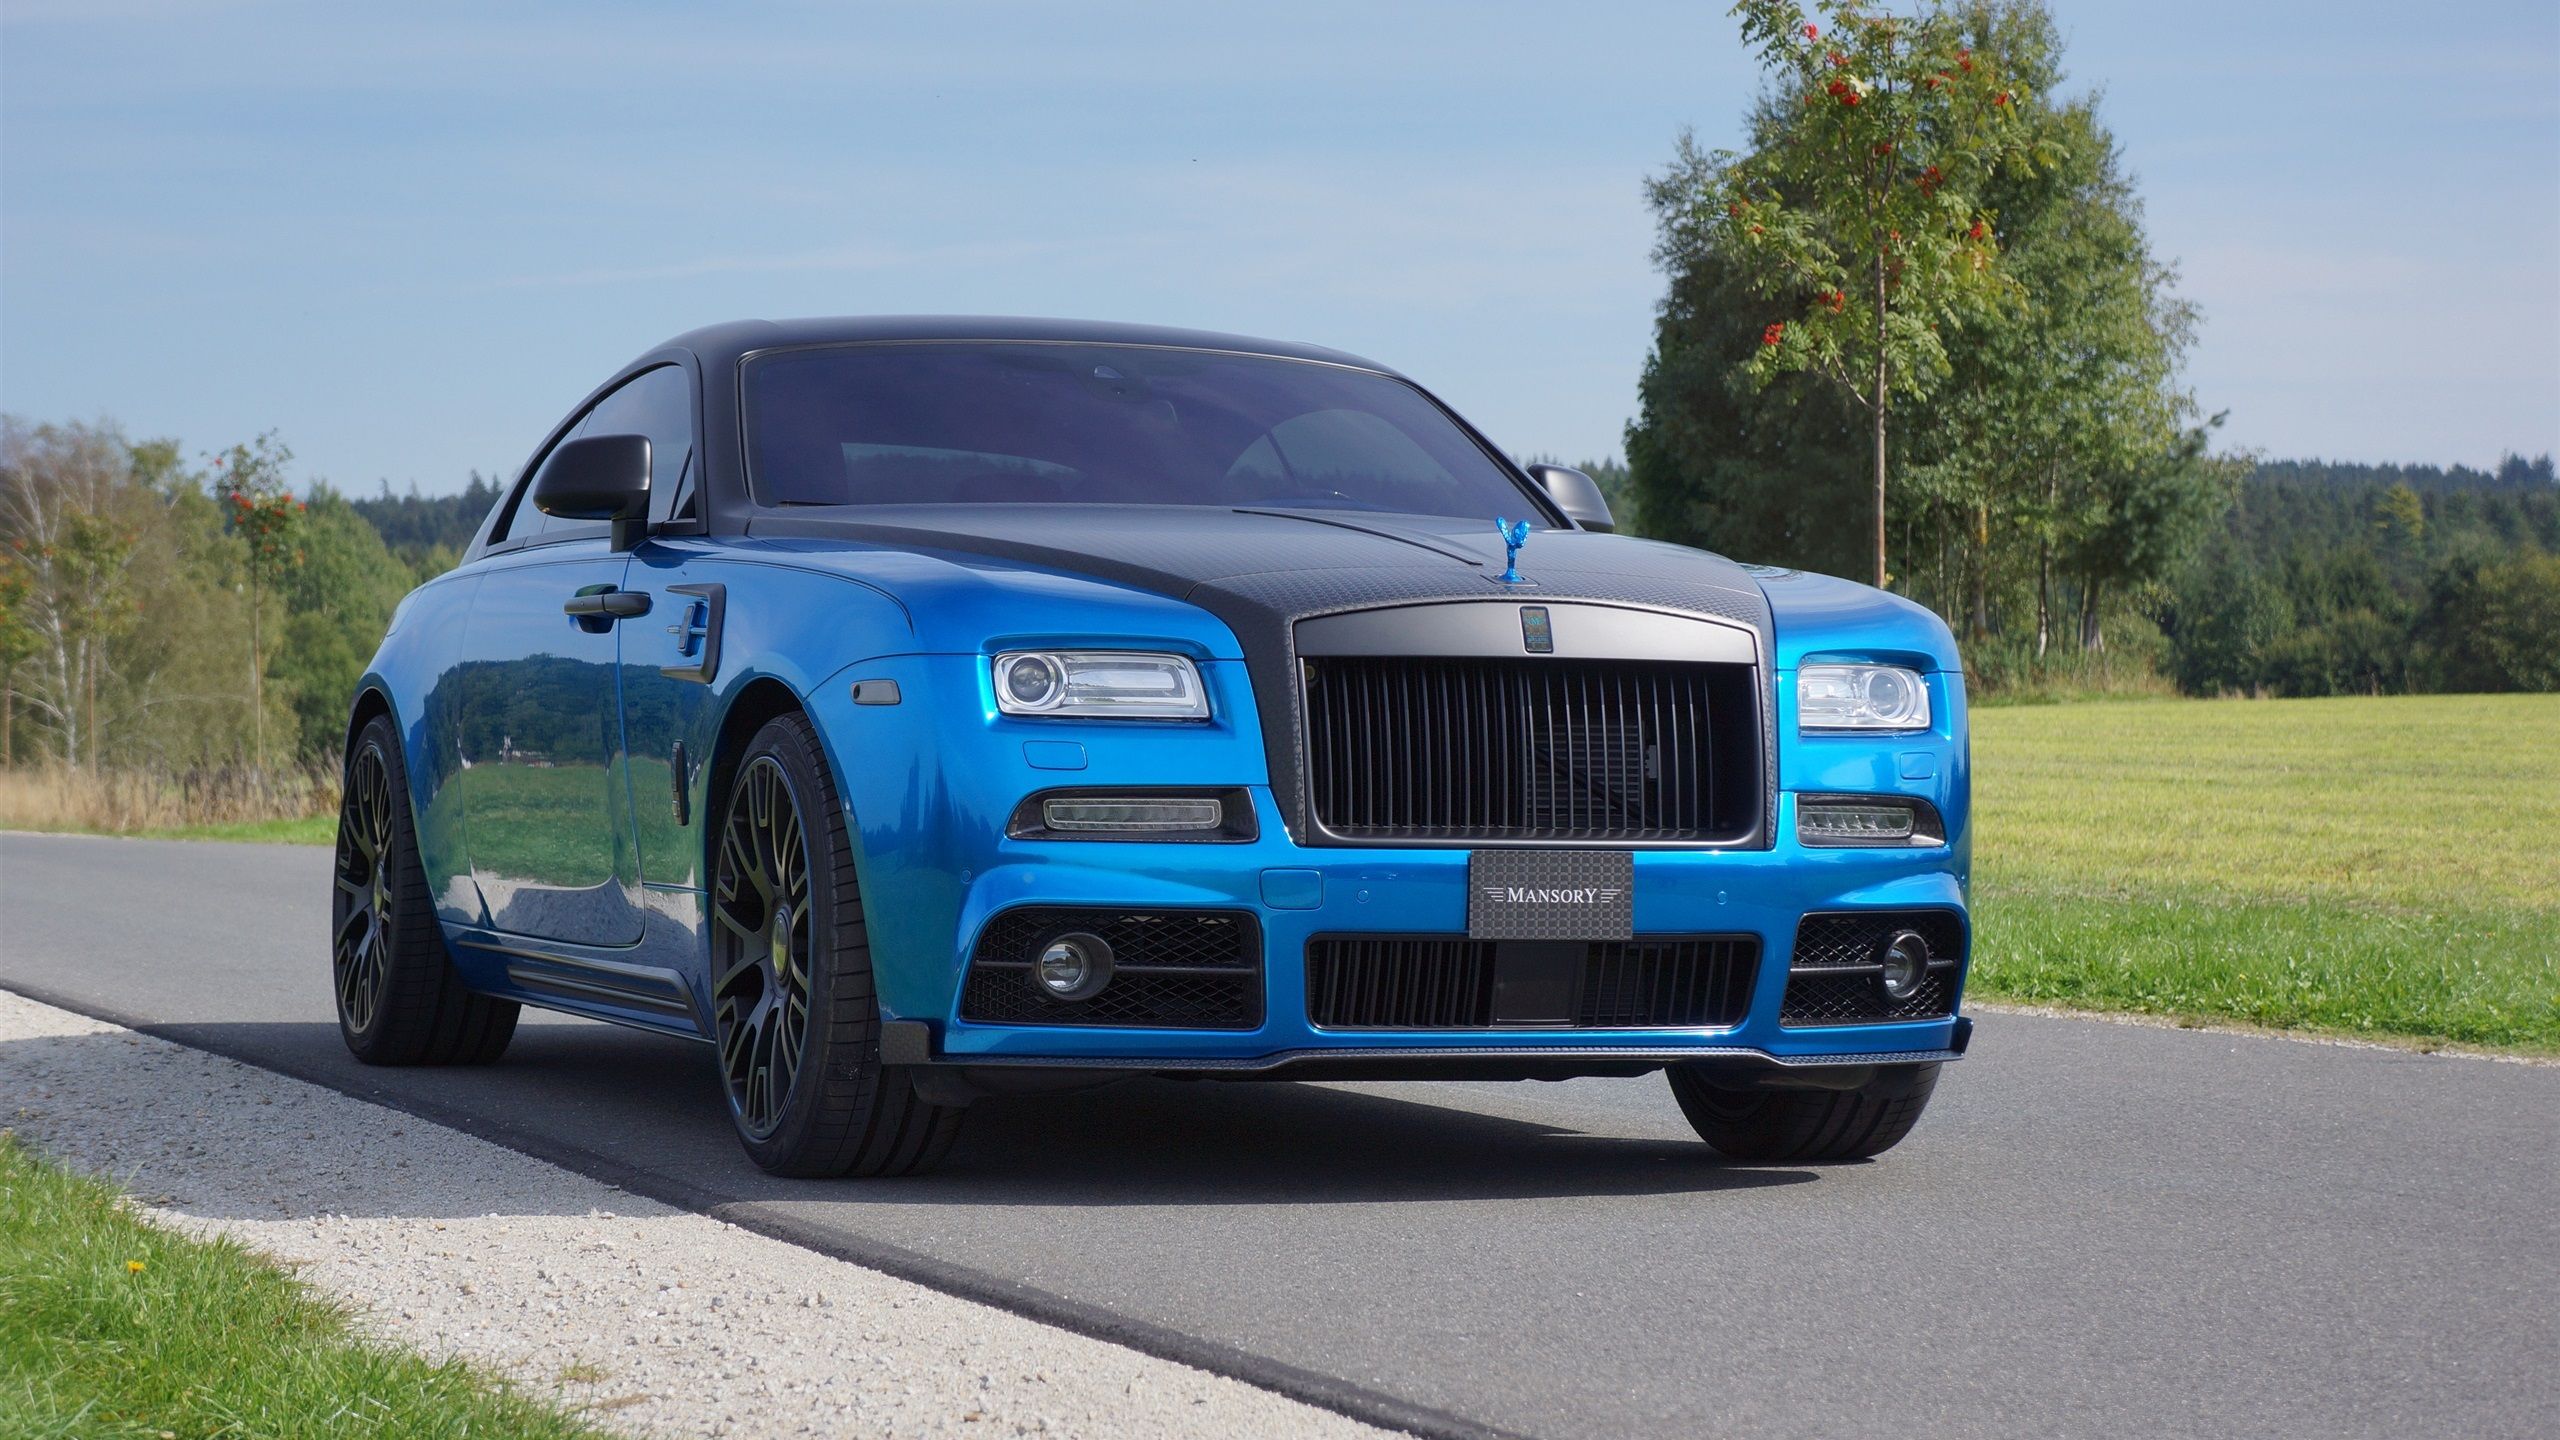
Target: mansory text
x,y
919,709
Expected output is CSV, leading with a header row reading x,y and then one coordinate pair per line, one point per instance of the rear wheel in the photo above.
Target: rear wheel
x,y
399,1000
1805,1125
793,1006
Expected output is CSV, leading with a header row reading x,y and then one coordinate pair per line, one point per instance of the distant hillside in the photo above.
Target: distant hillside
x,y
2372,579
429,531
2291,507
2514,475
2400,532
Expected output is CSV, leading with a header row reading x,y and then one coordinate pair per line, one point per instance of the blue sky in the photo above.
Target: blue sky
x,y
409,237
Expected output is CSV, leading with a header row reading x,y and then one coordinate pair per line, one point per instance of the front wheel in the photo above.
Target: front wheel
x,y
1805,1125
792,1001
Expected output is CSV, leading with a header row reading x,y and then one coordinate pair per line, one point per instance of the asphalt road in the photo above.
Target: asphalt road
x,y
2098,1229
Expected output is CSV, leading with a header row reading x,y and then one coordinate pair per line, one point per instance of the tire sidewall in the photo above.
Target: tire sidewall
x,y
823,1060
1790,1125
399,857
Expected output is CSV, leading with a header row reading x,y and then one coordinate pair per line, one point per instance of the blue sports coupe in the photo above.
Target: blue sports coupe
x,y
923,709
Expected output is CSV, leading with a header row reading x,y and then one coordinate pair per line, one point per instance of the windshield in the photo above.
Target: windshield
x,y
1021,423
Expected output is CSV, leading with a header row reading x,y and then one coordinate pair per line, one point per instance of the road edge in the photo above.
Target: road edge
x,y
1308,1387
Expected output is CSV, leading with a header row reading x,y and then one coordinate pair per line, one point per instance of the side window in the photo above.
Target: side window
x,y
516,517
656,403
659,404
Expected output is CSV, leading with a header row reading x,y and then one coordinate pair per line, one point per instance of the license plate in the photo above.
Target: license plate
x,y
1551,895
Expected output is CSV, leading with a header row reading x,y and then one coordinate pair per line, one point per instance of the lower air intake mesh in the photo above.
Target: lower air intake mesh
x,y
1171,969
1833,977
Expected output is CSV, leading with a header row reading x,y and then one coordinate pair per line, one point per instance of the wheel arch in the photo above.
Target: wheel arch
x,y
757,703
371,700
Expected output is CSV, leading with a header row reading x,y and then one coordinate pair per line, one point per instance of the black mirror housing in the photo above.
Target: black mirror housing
x,y
1577,494
601,477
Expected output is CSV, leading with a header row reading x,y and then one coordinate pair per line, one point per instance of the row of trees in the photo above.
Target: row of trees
x,y
2337,579
157,614
1915,331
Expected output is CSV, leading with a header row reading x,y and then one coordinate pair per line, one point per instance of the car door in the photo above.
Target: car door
x,y
546,805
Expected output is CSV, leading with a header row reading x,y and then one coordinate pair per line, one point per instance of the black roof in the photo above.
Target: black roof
x,y
726,342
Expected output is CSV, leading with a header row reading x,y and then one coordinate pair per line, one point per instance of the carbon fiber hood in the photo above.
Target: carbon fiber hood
x,y
1263,571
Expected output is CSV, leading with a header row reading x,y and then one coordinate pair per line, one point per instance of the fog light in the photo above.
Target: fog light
x,y
1906,965
1850,820
1074,967
1137,815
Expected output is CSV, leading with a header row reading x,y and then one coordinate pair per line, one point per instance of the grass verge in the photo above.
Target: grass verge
x,y
310,830
113,1328
295,804
2370,867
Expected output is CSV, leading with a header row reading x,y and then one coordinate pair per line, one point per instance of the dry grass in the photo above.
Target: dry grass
x,y
253,803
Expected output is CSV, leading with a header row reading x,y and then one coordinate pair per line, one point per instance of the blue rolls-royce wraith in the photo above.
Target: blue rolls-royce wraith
x,y
918,709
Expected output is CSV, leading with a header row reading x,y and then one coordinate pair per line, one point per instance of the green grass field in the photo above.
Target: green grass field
x,y
2379,867
118,1330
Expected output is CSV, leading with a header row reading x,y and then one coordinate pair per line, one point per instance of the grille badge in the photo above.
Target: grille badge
x,y
1537,630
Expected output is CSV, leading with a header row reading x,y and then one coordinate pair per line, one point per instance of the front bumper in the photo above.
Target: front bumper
x,y
1424,892
930,791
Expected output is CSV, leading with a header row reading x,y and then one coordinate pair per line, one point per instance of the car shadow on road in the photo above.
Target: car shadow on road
x,y
1164,1142
645,1111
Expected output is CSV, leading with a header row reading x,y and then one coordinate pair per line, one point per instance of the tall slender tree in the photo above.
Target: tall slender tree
x,y
69,524
262,514
1860,202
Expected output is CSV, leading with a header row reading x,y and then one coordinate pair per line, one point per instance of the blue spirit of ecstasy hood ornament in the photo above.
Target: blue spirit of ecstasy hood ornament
x,y
1514,533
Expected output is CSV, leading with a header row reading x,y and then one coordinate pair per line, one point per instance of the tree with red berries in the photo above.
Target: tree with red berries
x,y
1858,206
261,512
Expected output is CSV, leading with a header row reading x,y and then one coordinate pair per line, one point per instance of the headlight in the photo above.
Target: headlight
x,y
1096,683
1860,697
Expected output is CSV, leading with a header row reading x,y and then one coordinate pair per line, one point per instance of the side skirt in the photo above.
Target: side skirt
x,y
644,996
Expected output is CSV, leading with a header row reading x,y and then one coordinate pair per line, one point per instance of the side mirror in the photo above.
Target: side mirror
x,y
1578,494
602,477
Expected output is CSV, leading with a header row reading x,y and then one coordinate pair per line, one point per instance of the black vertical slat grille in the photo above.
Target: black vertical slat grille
x,y
1392,983
1651,983
1435,982
1531,749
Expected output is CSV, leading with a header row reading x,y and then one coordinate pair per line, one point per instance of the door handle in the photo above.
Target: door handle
x,y
608,603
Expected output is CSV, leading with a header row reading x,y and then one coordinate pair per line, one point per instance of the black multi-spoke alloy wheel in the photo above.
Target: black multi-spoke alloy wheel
x,y
1805,1125
399,1002
792,1003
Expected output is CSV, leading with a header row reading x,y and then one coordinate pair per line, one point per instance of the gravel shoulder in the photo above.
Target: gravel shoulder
x,y
656,1320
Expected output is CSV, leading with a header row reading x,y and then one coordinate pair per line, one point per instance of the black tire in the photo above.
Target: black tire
x,y
1813,1126
399,1000
793,1007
